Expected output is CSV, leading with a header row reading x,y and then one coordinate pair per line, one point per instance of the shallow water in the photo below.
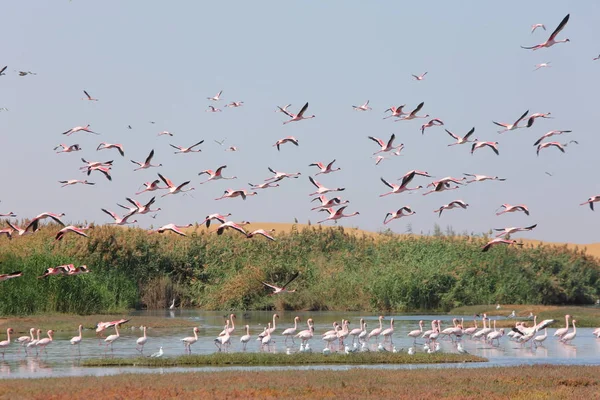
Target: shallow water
x,y
63,359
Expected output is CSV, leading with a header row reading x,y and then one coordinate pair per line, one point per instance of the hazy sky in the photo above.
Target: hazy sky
x,y
159,60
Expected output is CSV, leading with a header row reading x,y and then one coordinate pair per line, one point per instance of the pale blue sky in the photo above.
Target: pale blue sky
x,y
159,60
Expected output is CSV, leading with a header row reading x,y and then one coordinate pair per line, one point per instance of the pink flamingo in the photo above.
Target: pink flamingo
x,y
462,140
510,231
261,232
68,149
281,175
416,333
43,343
548,134
571,335
535,26
377,331
511,127
306,334
510,208
265,185
296,117
398,214
480,145
591,201
395,111
217,97
552,39
105,146
35,221
413,114
232,225
290,332
324,169
150,187
563,331
5,343
75,181
147,163
173,228
433,122
190,340
71,228
450,206
230,194
322,189
335,215
215,175
364,107
481,178
497,241
384,146
287,139
174,189
142,208
398,188
420,77
79,129
120,220
215,217
560,146
187,149
88,97
325,203
235,104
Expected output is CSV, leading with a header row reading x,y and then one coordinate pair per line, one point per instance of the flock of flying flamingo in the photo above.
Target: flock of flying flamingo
x,y
334,207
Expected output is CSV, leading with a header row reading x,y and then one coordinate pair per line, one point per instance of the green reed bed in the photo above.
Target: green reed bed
x,y
339,271
253,359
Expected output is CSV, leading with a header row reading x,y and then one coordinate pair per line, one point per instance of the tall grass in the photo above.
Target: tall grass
x,y
339,271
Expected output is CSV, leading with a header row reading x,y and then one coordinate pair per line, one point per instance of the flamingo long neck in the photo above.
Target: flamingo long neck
x,y
50,335
144,331
31,333
421,326
8,335
567,321
574,327
295,324
380,323
117,329
247,330
232,323
274,326
80,327
196,334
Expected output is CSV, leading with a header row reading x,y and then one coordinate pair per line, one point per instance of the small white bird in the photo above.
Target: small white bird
x,y
158,354
542,65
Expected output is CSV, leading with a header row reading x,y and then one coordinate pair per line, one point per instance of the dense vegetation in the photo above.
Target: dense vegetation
x,y
339,271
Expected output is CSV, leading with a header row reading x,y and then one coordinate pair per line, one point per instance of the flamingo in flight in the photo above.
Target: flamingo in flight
x,y
407,177
542,65
552,39
548,134
591,201
283,109
287,139
281,175
335,215
212,109
120,220
296,117
11,275
7,231
215,175
399,188
440,187
322,189
71,228
510,208
462,140
2,70
35,221
450,206
88,97
433,122
18,229
215,217
235,104
173,228
265,185
481,178
511,230
498,241
511,127
68,149
261,232
147,163
104,170
535,26
217,97
282,289
142,208
531,119
413,114
596,58
230,194
420,77
364,107
384,146
480,145
187,149
105,146
172,188
75,181
395,111
150,187
324,169
398,214
79,129
560,146
232,225
328,203
165,133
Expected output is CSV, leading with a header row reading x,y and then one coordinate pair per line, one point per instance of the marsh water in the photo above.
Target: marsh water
x,y
63,359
